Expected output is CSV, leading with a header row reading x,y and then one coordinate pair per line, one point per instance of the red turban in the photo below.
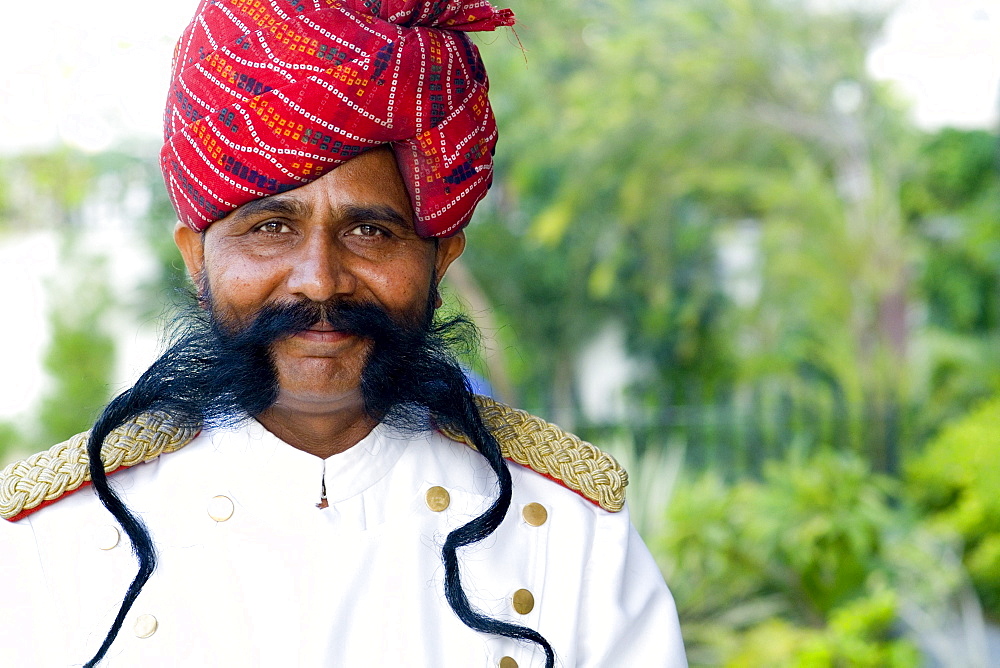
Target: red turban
x,y
268,95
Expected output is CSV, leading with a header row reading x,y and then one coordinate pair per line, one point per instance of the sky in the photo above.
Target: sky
x,y
100,69
944,56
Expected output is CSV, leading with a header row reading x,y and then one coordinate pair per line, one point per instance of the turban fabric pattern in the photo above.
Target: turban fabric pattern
x,y
268,95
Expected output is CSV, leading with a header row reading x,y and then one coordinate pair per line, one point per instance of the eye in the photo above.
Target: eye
x,y
368,230
273,227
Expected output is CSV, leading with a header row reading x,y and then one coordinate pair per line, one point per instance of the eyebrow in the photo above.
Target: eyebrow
x,y
273,204
377,213
277,204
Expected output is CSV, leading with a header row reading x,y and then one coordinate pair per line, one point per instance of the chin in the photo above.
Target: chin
x,y
316,387
319,400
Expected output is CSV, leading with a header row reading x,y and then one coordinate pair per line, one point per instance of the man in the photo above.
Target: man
x,y
295,474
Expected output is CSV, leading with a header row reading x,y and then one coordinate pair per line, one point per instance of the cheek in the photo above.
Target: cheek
x,y
238,288
401,288
404,282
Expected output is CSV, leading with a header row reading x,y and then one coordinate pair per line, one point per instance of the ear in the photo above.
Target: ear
x,y
192,248
448,250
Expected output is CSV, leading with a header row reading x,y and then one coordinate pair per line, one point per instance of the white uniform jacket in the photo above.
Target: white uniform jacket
x,y
252,573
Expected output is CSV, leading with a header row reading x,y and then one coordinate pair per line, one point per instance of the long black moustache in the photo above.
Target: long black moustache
x,y
217,374
412,374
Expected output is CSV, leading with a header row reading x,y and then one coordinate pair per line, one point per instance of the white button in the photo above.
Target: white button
x,y
106,537
145,626
220,508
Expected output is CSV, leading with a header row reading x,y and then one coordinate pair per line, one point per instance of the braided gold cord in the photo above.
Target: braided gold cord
x,y
47,475
523,438
547,449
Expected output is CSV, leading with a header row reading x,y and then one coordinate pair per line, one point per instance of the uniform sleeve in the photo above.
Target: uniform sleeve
x,y
629,617
24,596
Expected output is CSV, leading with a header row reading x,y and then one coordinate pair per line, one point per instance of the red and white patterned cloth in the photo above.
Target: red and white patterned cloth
x,y
268,95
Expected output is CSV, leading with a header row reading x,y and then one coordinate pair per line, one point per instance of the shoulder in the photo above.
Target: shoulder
x,y
554,453
46,477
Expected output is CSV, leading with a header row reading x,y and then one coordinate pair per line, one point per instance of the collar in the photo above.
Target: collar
x,y
258,460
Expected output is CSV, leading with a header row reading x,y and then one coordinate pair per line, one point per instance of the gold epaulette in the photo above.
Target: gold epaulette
x,y
31,483
547,449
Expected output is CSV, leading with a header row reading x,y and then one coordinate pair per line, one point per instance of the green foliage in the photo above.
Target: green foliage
x,y
643,142
10,441
955,482
797,570
859,635
51,190
79,359
950,198
954,169
46,188
156,219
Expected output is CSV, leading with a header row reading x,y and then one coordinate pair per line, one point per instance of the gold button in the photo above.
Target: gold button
x,y
107,537
145,626
523,601
508,662
535,514
438,498
220,508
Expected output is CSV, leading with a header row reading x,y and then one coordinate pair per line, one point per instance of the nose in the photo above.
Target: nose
x,y
319,271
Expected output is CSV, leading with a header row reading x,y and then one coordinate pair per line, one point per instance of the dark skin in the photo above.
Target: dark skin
x,y
349,235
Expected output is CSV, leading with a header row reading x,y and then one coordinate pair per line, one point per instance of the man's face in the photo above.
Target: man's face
x,y
346,236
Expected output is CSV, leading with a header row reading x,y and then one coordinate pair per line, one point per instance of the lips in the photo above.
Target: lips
x,y
323,332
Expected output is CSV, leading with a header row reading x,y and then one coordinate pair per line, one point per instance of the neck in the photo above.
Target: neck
x,y
321,434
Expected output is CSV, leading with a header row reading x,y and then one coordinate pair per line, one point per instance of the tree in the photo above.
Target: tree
x,y
80,358
638,140
951,201
75,195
